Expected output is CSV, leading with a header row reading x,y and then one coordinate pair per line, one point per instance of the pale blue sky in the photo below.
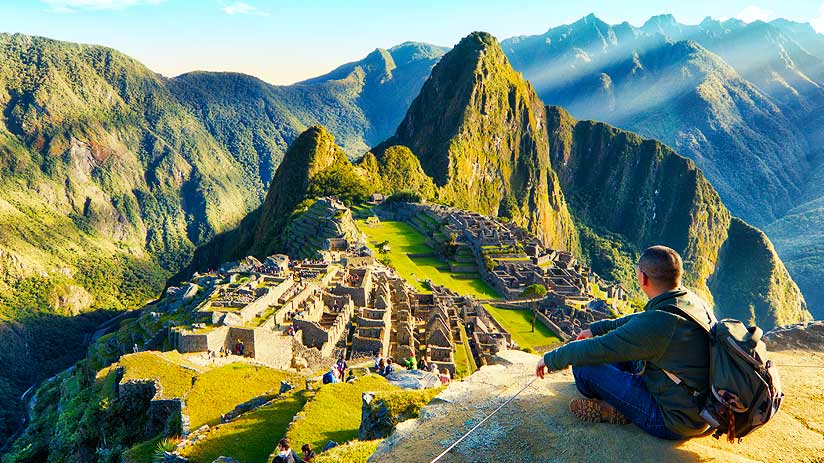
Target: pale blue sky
x,y
287,40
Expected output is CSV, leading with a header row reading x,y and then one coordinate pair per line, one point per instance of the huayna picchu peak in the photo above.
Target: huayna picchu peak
x,y
480,133
491,251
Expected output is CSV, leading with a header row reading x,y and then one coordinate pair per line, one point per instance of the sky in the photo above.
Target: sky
x,y
284,41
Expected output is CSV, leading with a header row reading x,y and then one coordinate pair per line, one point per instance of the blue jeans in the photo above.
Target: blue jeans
x,y
619,386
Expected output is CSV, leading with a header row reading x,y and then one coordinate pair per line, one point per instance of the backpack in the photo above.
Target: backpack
x,y
745,389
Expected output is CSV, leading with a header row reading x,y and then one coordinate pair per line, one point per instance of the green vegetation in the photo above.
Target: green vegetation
x,y
405,240
175,379
252,437
747,261
478,129
611,257
464,360
536,290
218,391
398,170
352,452
669,202
519,324
335,412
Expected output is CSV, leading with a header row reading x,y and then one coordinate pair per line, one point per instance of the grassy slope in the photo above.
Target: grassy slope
x,y
335,412
404,240
214,392
519,324
252,437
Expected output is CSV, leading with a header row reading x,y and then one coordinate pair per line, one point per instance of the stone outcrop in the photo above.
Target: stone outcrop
x,y
808,335
537,425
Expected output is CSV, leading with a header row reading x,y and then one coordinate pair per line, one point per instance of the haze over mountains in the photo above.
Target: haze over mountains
x,y
742,100
112,177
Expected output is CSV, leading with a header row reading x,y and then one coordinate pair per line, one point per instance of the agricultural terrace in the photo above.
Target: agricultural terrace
x,y
519,324
405,240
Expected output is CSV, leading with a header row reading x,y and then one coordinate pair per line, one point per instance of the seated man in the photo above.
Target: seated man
x,y
643,368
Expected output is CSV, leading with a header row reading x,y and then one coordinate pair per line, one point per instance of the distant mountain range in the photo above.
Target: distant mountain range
x,y
741,100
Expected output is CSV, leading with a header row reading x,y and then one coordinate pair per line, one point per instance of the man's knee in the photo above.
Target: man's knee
x,y
584,375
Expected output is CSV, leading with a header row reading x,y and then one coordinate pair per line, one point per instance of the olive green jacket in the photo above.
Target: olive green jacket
x,y
665,341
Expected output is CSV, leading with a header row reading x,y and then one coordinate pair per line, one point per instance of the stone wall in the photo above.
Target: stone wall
x,y
273,348
199,342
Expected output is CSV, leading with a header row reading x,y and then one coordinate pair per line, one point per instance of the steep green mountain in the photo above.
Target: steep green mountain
x,y
398,169
478,129
111,175
314,165
652,82
647,194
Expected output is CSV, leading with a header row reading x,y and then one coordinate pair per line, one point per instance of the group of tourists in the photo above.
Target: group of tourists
x,y
384,366
287,455
337,372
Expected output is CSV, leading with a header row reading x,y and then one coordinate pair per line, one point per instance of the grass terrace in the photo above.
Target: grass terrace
x,y
519,324
218,391
252,437
464,361
405,240
335,412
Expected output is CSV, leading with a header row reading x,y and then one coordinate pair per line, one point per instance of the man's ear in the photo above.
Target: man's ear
x,y
644,278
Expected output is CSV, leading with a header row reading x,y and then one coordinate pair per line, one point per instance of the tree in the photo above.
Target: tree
x,y
536,290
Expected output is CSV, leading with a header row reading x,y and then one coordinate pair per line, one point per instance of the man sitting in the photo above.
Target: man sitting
x,y
643,368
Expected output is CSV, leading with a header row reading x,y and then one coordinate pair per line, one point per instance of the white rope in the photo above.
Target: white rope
x,y
483,421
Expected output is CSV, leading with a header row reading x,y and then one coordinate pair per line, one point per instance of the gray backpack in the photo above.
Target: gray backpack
x,y
745,389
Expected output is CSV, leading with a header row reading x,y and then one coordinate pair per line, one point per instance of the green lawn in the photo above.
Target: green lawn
x,y
175,379
519,325
335,412
464,361
252,437
404,240
220,390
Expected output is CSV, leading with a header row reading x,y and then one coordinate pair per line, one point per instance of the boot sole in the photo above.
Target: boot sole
x,y
591,411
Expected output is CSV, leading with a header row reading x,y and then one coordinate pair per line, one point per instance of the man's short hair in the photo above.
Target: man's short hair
x,y
662,265
284,444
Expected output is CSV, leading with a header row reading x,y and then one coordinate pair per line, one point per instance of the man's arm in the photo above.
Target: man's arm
x,y
605,326
637,338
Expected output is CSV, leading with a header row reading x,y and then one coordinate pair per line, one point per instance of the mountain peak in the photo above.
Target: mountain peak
x,y
311,153
476,110
661,20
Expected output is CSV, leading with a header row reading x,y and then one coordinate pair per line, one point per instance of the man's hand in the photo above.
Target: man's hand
x,y
584,335
541,369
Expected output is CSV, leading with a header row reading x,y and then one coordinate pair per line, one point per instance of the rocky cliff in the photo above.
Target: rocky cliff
x,y
643,191
537,425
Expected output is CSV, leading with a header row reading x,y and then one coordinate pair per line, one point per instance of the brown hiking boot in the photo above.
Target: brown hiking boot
x,y
596,411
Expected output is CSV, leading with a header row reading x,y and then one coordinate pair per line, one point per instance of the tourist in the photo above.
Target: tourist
x,y
351,377
308,453
605,358
240,348
445,377
342,366
331,376
378,365
389,368
381,365
285,453
135,349
433,368
411,362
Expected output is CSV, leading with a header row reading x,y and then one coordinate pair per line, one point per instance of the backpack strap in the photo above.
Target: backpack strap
x,y
703,318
